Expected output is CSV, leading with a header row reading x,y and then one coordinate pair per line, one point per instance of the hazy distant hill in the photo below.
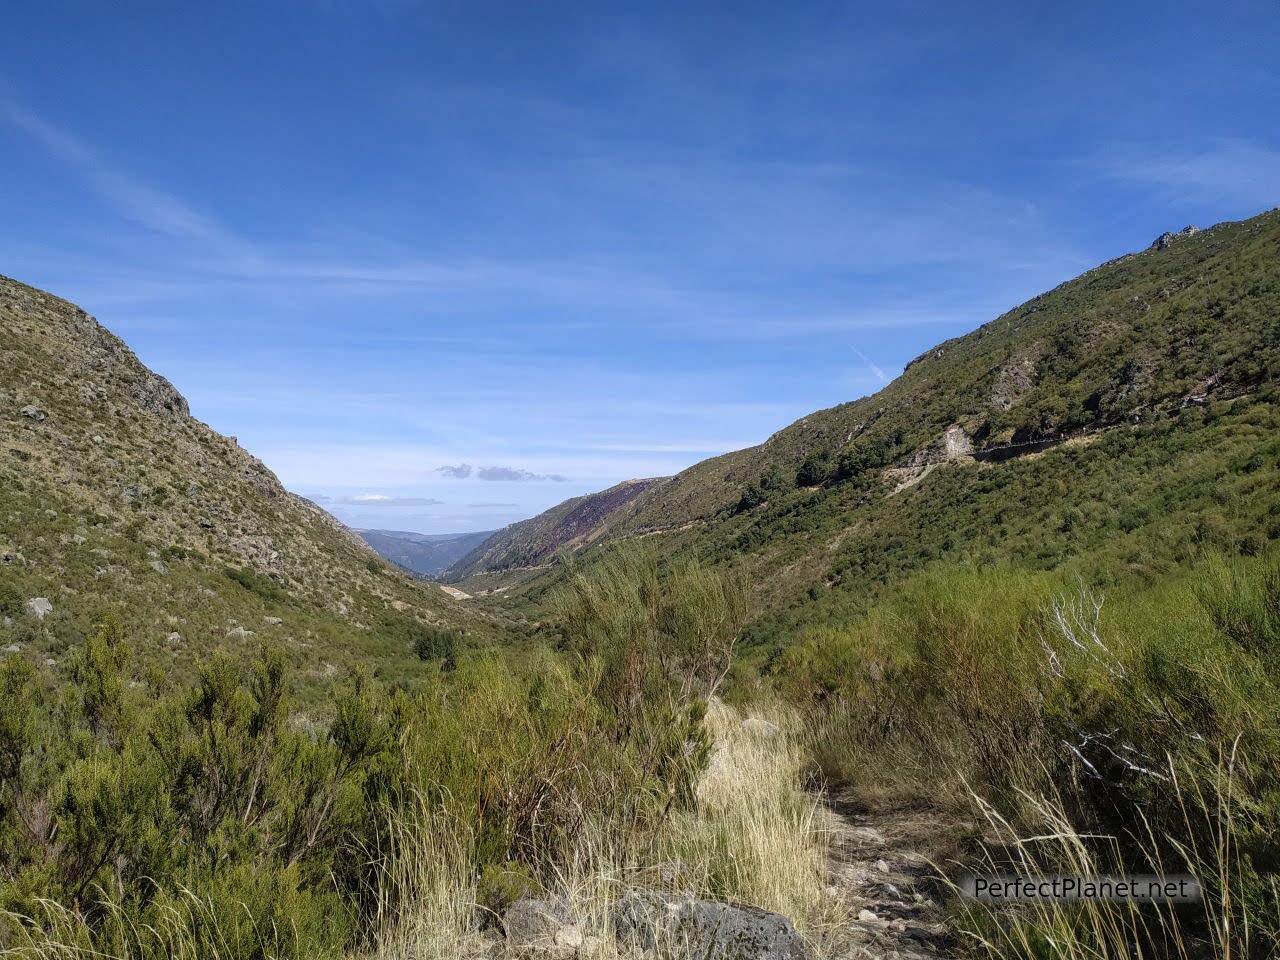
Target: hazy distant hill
x,y
113,497
571,524
425,553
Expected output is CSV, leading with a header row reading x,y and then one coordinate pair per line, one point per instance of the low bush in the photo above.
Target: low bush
x,y
140,819
1151,717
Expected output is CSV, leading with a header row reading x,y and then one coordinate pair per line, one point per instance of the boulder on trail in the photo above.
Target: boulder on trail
x,y
541,928
675,925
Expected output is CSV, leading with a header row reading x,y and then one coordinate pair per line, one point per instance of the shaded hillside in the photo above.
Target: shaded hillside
x,y
1130,409
115,498
427,554
572,524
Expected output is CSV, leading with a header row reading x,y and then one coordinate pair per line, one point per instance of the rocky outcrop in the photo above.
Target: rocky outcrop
x,y
670,924
953,444
1167,239
1011,381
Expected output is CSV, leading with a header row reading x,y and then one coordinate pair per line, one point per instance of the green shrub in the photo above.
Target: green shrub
x,y
436,645
256,583
10,600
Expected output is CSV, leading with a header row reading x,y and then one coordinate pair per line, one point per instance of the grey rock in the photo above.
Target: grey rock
x,y
239,633
761,728
49,662
532,922
882,866
34,413
1165,240
685,926
159,396
39,607
160,567
866,916
13,648
570,937
174,637
274,621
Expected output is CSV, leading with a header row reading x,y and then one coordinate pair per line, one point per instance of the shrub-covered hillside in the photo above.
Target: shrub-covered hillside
x,y
113,498
1130,411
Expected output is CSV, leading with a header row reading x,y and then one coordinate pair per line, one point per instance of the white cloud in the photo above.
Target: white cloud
x,y
376,500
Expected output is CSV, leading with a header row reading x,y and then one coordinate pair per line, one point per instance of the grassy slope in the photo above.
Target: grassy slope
x,y
1160,366
114,497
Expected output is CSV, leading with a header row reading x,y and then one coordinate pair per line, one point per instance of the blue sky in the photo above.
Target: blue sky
x,y
442,265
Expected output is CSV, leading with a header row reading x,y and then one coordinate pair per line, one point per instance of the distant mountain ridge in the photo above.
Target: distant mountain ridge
x,y
429,554
572,524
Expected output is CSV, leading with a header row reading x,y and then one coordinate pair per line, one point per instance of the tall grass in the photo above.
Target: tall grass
x,y
426,889
1133,732
755,835
188,927
752,836
1228,923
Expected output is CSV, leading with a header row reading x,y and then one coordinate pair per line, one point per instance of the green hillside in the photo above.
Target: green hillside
x,y
1130,411
114,498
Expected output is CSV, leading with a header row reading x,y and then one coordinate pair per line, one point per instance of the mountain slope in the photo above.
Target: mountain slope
x,y
1131,409
572,524
428,554
113,498
1192,317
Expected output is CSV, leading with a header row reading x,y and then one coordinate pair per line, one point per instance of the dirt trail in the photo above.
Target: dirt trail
x,y
879,868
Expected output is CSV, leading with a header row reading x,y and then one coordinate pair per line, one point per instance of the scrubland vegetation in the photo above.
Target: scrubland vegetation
x,y
1130,732
144,819
235,734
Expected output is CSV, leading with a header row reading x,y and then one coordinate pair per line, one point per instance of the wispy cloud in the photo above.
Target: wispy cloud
x,y
462,471
377,500
131,198
516,475
459,472
879,373
1235,170
753,215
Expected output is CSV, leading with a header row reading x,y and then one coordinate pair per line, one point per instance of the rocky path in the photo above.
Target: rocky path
x,y
880,872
